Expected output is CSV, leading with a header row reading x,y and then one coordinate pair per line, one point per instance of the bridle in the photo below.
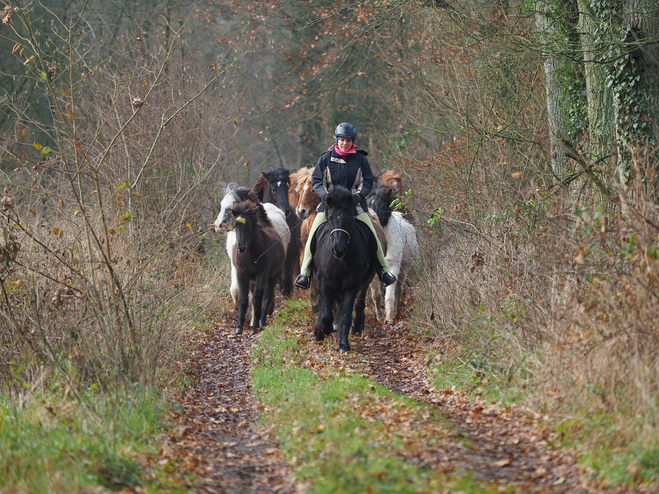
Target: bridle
x,y
342,230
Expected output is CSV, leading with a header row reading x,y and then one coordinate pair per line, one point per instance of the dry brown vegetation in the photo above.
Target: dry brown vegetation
x,y
104,262
554,292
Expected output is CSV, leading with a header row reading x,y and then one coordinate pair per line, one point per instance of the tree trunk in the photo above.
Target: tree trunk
x,y
552,64
598,93
635,88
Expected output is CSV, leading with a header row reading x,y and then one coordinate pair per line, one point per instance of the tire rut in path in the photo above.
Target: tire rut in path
x,y
506,445
218,437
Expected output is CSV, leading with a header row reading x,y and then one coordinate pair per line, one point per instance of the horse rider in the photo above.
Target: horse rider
x,y
343,165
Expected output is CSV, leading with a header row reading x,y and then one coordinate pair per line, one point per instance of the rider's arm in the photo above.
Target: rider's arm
x,y
317,178
367,179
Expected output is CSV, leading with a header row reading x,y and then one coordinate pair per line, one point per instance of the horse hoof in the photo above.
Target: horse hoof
x,y
239,330
358,334
344,350
319,337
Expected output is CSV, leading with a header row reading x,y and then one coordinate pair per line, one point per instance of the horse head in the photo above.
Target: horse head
x,y
233,193
275,184
248,218
308,200
379,200
394,180
340,208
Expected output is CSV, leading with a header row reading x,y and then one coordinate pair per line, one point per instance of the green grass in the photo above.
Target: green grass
x,y
597,438
341,432
480,377
53,443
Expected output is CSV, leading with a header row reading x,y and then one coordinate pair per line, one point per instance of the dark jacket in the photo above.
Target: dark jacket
x,y
352,172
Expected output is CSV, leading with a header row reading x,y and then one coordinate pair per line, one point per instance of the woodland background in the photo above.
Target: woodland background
x,y
526,133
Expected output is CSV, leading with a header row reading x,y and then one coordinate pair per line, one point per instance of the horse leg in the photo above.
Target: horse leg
x,y
287,276
257,300
390,294
233,289
400,285
325,318
345,318
243,300
360,305
268,299
376,297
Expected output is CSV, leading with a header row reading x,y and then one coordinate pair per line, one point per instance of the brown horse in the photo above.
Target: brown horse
x,y
293,191
258,255
273,186
394,180
307,204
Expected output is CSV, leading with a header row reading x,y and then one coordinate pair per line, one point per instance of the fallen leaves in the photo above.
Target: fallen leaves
x,y
219,439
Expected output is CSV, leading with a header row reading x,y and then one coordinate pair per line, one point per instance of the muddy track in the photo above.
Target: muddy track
x,y
219,439
507,446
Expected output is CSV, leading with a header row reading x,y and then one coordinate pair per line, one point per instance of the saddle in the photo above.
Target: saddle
x,y
323,232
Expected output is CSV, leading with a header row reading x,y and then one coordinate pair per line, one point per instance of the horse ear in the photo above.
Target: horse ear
x,y
267,175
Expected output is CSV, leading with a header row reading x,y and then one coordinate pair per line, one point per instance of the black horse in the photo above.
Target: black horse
x,y
258,256
272,186
344,265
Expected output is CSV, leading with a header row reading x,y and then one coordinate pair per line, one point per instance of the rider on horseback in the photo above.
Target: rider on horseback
x,y
343,165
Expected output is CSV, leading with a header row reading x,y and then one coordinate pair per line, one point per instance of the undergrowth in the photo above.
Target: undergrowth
x,y
61,441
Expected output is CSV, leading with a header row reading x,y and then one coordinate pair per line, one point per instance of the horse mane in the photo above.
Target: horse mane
x,y
393,179
379,200
303,174
254,209
276,175
238,192
258,189
341,197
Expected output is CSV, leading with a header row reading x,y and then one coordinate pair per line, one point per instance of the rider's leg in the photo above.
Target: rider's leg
x,y
386,277
303,280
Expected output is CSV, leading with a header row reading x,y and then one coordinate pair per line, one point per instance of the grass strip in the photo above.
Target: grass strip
x,y
54,444
341,432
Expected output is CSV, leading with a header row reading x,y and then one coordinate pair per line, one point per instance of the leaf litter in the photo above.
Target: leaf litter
x,y
220,441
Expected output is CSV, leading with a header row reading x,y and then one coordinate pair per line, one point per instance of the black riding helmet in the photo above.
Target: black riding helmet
x,y
346,130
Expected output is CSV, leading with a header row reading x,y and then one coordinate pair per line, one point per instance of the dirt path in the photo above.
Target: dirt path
x,y
220,441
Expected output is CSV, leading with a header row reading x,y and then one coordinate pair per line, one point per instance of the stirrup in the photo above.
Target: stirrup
x,y
387,278
303,282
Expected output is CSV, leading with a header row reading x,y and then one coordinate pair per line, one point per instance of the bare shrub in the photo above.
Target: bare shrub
x,y
101,248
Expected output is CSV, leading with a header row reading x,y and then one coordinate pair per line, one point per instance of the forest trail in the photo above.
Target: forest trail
x,y
220,441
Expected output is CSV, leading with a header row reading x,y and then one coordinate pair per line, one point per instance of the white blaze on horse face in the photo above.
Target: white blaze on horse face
x,y
279,184
301,199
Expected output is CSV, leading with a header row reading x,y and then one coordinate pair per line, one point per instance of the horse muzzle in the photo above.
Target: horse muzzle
x,y
338,255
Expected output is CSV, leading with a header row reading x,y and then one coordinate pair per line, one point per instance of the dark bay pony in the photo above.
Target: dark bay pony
x,y
258,255
273,186
344,264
